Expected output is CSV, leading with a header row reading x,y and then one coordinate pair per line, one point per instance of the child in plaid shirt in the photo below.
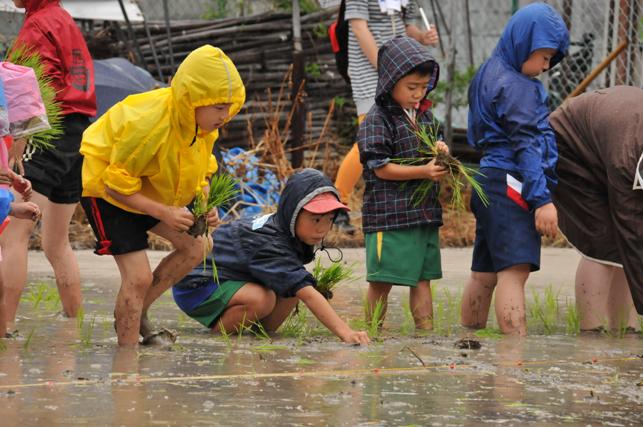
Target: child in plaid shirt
x,y
401,234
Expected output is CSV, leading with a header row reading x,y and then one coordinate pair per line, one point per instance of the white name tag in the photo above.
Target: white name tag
x,y
257,223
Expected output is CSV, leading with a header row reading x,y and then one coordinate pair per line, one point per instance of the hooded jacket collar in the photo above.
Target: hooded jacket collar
x,y
394,60
32,6
536,26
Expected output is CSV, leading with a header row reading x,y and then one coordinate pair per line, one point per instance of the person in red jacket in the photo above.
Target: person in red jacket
x,y
55,174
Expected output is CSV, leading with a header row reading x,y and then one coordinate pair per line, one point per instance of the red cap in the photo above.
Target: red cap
x,y
324,203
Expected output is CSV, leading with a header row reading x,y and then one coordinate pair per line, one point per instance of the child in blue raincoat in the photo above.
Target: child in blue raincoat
x,y
508,122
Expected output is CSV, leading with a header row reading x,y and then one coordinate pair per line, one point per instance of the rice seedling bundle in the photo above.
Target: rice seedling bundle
x,y
458,175
223,188
329,277
42,140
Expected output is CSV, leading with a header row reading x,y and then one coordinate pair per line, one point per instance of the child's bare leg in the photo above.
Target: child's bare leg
x,y
136,278
14,241
282,310
510,299
620,306
377,293
188,252
476,299
55,243
249,304
421,304
592,290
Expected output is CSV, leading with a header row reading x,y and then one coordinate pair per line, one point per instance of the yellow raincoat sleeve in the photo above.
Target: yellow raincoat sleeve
x,y
128,153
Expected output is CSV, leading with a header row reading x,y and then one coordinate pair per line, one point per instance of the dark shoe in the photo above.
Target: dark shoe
x,y
343,223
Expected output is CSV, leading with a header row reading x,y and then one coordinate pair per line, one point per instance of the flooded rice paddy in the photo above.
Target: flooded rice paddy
x,y
70,372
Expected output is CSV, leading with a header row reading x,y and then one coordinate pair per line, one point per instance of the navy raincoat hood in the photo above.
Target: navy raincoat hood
x,y
508,112
264,250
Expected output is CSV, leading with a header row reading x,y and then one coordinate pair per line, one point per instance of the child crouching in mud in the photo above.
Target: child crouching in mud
x,y
260,265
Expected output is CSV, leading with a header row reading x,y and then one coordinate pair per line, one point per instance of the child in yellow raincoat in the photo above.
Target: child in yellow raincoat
x,y
144,160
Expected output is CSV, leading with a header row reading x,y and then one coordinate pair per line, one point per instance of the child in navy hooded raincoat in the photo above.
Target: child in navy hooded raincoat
x,y
508,122
260,264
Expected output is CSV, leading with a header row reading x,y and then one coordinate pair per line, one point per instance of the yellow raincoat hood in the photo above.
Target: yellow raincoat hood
x,y
150,142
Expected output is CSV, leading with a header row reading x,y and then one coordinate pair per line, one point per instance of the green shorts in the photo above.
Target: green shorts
x,y
209,311
403,257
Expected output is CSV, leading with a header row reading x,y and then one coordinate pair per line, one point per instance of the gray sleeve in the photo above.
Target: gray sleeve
x,y
356,9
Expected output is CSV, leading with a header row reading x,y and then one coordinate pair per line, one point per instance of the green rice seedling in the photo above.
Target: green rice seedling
x,y
87,332
20,55
375,319
546,311
27,342
296,325
225,335
458,176
223,188
259,331
572,318
43,294
408,323
492,333
328,278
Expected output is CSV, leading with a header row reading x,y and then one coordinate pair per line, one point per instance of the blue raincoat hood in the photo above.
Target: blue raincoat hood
x,y
536,26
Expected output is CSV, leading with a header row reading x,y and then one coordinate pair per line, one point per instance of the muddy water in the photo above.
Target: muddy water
x,y
60,373
63,372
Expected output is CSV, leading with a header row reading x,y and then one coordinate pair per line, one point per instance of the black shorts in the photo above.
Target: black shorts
x,y
56,173
117,231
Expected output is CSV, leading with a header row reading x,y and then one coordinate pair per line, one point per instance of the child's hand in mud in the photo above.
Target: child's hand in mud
x,y
547,220
213,218
442,147
22,186
179,219
355,337
25,210
433,171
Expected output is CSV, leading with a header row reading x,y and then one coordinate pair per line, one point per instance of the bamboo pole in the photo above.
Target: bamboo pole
x,y
597,70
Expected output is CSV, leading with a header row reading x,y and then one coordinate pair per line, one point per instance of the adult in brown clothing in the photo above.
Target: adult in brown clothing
x,y
599,199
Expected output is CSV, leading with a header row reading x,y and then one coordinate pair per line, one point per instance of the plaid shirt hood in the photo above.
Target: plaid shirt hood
x,y
386,135
395,59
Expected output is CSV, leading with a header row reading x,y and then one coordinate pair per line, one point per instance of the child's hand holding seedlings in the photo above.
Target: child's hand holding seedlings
x,y
433,171
25,210
213,218
355,337
442,147
179,219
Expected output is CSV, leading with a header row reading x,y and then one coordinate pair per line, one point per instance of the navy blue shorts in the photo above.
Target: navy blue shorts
x,y
506,229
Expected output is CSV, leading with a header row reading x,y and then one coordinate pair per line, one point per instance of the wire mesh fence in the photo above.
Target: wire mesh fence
x,y
469,31
606,39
